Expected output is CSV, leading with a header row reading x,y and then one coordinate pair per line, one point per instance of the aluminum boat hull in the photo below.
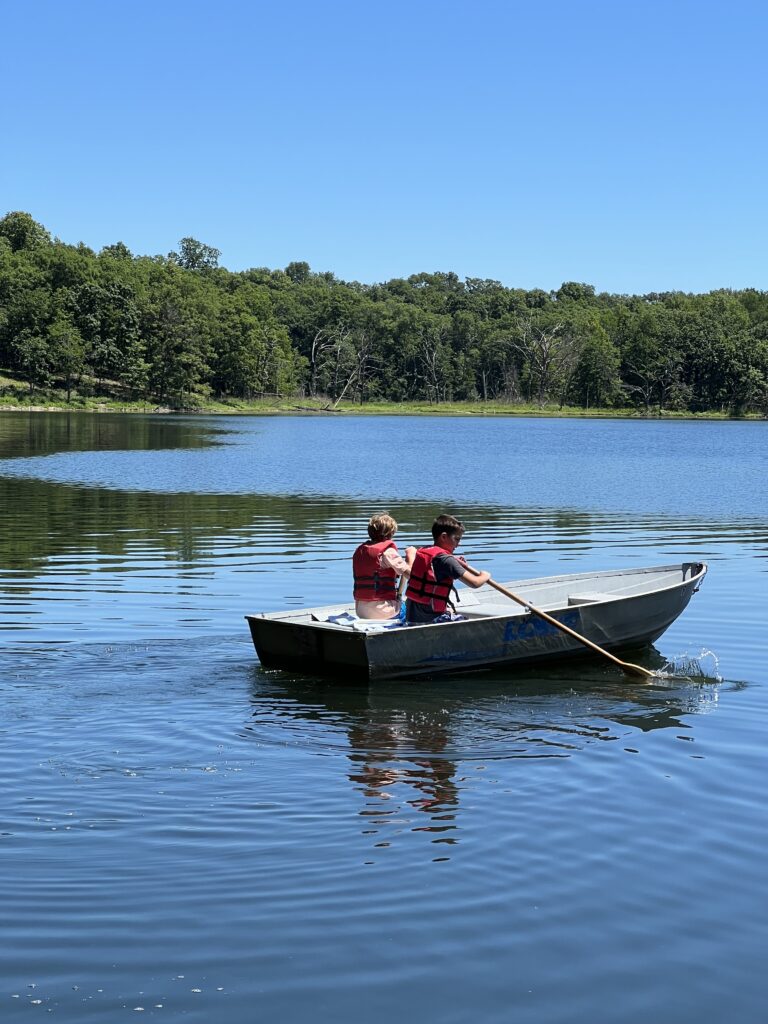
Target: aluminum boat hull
x,y
625,608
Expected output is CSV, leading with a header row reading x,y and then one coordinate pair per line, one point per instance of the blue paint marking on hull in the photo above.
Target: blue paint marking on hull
x,y
534,627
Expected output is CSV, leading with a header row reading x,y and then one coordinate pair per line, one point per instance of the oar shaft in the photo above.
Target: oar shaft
x,y
625,666
554,622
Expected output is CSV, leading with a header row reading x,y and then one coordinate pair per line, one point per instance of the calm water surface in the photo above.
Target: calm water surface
x,y
185,835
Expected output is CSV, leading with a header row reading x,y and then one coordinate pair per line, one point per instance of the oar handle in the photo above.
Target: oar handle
x,y
624,665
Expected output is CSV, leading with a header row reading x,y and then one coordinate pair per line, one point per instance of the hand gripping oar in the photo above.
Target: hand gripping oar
x,y
626,666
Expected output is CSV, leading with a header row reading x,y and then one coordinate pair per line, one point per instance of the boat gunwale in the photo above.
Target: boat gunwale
x,y
286,617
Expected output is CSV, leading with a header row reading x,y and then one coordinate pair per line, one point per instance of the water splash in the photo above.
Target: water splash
x,y
703,667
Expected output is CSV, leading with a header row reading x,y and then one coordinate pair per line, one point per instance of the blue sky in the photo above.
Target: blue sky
x,y
620,144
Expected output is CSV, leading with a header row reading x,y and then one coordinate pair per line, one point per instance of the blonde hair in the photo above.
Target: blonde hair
x,y
381,527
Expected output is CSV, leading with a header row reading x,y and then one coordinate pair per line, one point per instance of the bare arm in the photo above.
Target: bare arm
x,y
475,579
471,576
402,566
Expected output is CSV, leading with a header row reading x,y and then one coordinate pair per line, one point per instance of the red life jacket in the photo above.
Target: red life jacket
x,y
423,587
372,583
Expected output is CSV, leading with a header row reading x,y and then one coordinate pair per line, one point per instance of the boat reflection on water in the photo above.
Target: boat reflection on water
x,y
413,746
400,759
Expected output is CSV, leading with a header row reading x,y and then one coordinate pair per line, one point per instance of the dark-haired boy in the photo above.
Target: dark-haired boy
x,y
434,572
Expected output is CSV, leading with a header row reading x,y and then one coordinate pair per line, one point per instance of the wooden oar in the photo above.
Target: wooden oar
x,y
625,666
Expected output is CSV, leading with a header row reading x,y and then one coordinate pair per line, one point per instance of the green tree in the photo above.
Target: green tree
x,y
21,231
298,272
179,326
194,255
34,359
597,381
118,251
67,351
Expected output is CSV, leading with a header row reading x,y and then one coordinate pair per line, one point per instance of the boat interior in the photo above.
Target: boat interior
x,y
553,593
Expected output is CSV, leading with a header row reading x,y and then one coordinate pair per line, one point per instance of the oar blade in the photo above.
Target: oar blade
x,y
636,671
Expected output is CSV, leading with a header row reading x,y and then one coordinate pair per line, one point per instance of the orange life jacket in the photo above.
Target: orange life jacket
x,y
372,583
423,587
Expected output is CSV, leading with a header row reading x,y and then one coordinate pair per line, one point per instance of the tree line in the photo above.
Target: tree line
x,y
179,328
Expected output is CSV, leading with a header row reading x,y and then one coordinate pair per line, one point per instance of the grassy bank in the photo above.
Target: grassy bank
x,y
16,396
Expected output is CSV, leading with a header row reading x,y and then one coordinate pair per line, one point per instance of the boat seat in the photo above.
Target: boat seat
x,y
590,597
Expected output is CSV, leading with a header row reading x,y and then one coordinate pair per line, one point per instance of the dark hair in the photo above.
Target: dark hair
x,y
447,524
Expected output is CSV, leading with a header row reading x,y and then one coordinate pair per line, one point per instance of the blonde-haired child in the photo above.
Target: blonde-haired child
x,y
376,565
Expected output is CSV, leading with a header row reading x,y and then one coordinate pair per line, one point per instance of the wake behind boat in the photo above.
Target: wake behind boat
x,y
616,609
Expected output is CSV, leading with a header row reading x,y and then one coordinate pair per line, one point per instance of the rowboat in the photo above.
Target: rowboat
x,y
619,608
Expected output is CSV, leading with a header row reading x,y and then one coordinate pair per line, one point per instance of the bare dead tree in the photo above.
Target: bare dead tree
x,y
321,343
643,385
672,390
339,341
548,351
362,355
429,364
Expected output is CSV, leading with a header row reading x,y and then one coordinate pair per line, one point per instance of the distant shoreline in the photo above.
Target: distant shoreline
x,y
307,407
84,329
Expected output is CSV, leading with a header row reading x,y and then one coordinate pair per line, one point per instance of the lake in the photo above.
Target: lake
x,y
186,835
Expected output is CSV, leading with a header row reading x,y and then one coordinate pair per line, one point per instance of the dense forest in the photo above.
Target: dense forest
x,y
178,329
